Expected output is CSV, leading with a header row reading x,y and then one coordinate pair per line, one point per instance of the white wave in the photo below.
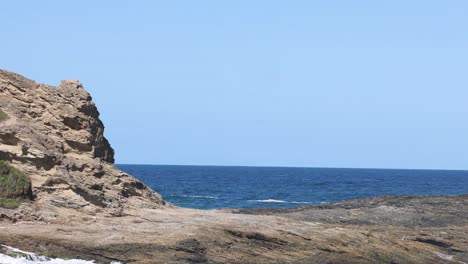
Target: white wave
x,y
24,257
278,201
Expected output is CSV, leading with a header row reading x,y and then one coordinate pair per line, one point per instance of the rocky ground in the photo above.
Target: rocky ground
x,y
382,230
72,202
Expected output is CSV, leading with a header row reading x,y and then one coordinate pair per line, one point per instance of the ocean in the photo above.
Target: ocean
x,y
210,187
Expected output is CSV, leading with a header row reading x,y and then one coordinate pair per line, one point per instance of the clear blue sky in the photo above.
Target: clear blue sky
x,y
380,84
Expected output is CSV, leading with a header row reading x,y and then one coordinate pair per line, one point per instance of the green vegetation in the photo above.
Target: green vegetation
x,y
3,115
14,186
9,203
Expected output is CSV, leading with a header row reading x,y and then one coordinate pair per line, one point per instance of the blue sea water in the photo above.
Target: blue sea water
x,y
208,187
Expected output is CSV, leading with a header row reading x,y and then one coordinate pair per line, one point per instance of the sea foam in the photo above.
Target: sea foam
x,y
25,257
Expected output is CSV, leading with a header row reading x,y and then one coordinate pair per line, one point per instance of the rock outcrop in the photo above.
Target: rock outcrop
x,y
54,135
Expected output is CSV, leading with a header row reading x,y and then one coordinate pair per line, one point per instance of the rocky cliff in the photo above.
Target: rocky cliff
x,y
55,137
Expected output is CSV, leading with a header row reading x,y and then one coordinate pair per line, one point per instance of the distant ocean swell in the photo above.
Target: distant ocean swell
x,y
257,201
278,201
193,196
211,187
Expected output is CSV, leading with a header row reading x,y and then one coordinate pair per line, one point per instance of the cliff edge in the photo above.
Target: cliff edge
x,y
54,136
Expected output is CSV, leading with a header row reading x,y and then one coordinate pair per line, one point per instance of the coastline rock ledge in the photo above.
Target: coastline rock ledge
x,y
54,135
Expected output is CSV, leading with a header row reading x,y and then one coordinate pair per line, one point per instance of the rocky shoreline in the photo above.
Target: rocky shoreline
x,y
344,232
66,199
405,211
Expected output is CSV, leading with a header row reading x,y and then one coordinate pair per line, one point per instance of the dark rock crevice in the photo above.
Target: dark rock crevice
x,y
9,139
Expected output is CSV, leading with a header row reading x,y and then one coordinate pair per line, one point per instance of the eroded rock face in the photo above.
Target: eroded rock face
x,y
55,136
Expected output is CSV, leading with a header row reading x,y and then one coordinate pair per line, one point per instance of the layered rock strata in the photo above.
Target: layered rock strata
x,y
54,135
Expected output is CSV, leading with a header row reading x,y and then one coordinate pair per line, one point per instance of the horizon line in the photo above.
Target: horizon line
x,y
279,166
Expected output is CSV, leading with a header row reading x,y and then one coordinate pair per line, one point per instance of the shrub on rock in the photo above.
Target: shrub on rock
x,y
14,185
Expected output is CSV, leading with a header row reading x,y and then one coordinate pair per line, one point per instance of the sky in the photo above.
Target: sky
x,y
366,84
